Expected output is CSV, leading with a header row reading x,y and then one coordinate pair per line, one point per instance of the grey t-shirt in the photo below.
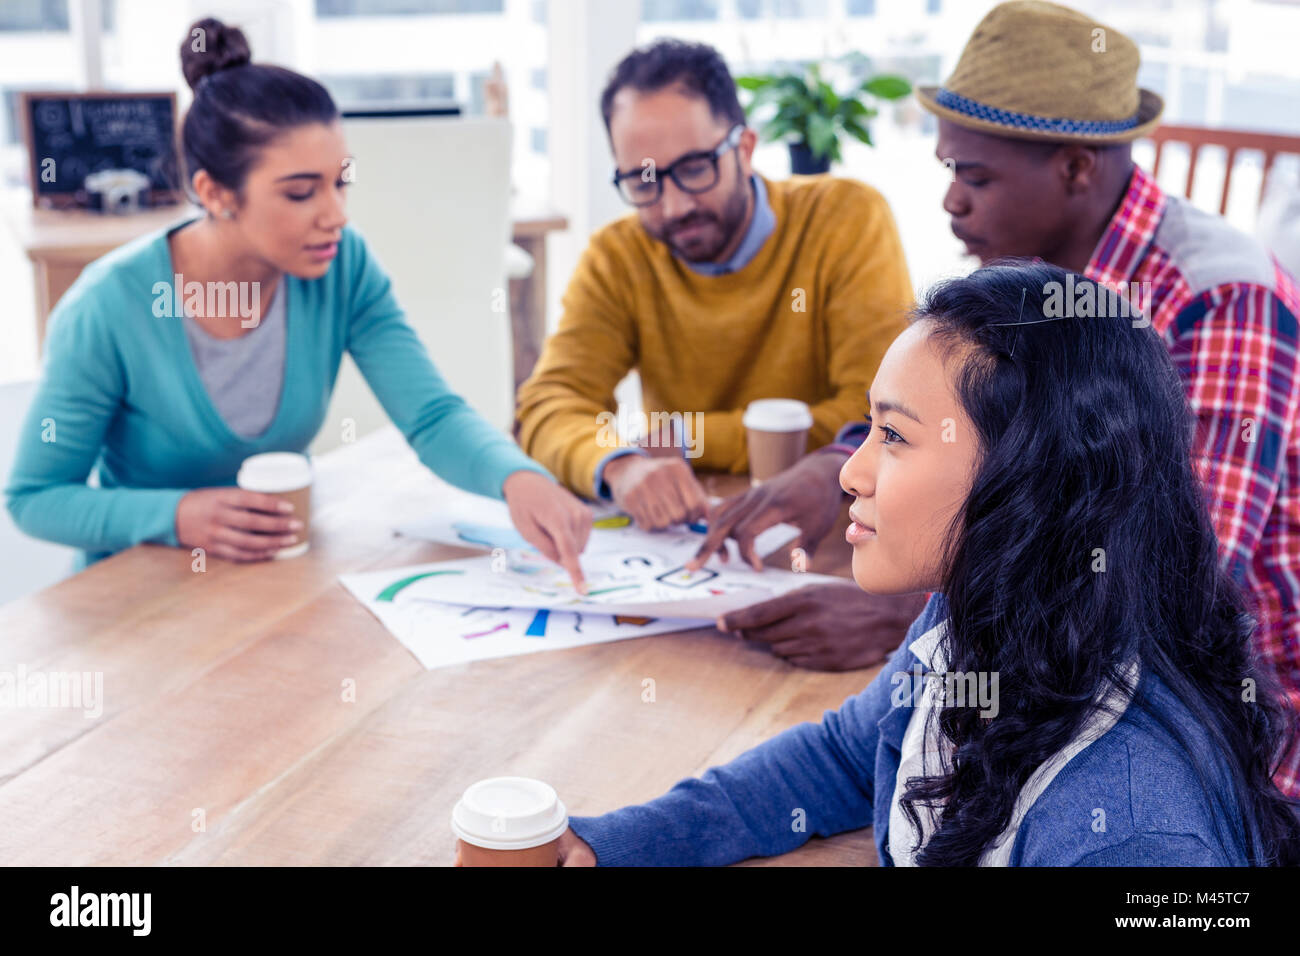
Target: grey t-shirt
x,y
244,375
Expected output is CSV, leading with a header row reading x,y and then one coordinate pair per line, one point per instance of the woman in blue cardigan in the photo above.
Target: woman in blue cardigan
x,y
166,394
1080,689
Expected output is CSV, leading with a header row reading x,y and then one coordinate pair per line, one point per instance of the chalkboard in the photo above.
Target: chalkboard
x,y
71,135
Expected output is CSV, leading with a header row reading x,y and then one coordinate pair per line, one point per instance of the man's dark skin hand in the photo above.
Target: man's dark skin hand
x,y
833,627
828,627
807,494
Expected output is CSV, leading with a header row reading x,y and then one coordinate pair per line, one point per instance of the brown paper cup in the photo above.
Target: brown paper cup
x,y
509,821
771,453
776,432
548,854
286,475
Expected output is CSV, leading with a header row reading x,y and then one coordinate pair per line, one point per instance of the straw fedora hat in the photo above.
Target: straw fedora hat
x,y
1036,70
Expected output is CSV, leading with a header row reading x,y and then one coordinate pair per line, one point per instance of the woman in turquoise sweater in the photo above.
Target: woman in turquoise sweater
x,y
165,406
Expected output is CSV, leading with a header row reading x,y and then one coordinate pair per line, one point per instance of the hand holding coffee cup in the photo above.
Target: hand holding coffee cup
x,y
235,524
288,477
777,435
509,821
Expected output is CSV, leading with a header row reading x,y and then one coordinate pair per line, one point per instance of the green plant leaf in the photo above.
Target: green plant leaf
x,y
802,107
821,135
794,85
762,97
793,119
777,130
887,86
858,131
828,99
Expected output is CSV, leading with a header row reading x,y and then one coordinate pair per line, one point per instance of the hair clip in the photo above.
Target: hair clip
x,y
1019,316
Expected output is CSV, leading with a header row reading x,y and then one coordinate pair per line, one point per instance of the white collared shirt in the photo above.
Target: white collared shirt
x,y
926,752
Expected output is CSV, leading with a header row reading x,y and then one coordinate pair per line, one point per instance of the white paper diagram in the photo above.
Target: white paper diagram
x,y
440,635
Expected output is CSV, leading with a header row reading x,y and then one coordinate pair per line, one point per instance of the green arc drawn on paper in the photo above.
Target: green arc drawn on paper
x,y
388,593
621,587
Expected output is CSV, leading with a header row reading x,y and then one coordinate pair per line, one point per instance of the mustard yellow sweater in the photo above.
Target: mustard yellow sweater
x,y
809,317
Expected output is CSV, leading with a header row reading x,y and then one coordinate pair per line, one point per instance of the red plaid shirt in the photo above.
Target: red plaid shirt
x,y
1228,313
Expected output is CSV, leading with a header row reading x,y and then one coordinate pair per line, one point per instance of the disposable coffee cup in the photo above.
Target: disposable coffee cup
x,y
777,433
509,821
286,475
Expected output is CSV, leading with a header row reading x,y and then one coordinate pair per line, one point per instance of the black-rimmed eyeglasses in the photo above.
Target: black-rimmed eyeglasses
x,y
693,173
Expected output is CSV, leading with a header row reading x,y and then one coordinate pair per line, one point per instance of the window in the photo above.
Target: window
x,y
392,88
34,15
790,9
412,53
657,10
38,51
478,93
389,8
862,8
9,103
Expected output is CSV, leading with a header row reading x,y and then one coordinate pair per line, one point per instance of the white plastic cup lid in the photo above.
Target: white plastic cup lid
x,y
275,471
509,813
777,415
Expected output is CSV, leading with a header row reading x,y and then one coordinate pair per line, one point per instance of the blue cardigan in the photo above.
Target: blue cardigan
x,y
120,391
841,773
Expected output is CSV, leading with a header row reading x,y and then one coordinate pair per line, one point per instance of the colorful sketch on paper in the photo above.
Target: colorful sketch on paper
x,y
537,628
489,536
497,536
641,582
681,578
443,634
390,592
503,626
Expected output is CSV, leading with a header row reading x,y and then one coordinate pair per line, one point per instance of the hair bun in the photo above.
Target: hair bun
x,y
210,46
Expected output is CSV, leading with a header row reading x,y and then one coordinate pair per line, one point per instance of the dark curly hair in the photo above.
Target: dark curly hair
x,y
697,67
1085,442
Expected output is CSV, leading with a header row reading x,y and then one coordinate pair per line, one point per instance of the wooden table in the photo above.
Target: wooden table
x,y
227,737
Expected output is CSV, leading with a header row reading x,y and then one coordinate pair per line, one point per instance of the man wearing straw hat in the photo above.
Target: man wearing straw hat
x,y
1036,124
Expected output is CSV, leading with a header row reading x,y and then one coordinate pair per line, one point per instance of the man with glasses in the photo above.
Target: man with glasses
x,y
721,288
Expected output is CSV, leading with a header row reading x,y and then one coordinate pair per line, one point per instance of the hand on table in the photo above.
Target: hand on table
x,y
656,492
574,851
828,627
225,522
549,518
806,494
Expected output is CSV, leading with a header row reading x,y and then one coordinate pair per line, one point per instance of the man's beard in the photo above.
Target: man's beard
x,y
731,219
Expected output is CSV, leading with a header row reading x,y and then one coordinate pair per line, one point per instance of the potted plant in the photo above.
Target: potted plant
x,y
811,117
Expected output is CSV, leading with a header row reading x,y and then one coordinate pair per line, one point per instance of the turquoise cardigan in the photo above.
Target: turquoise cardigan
x,y
120,394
